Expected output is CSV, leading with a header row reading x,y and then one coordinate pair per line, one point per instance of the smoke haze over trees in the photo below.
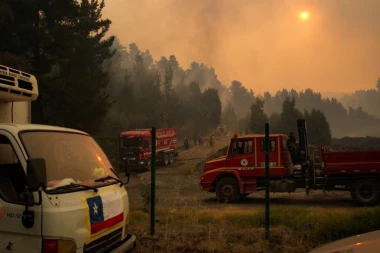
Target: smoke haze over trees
x,y
95,83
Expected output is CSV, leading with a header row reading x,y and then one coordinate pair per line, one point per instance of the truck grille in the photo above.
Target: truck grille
x,y
104,243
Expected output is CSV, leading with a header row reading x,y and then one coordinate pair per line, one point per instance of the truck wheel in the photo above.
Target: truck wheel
x,y
166,159
171,158
149,165
365,192
227,190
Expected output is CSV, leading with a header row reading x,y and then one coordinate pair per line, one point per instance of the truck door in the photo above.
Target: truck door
x,y
14,237
274,153
243,157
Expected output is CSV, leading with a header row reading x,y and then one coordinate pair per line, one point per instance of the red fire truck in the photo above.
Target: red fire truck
x,y
136,147
242,170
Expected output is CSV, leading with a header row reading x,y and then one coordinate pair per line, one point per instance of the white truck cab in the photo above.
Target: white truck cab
x,y
58,191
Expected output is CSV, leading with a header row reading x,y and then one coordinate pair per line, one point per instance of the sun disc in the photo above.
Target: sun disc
x,y
304,15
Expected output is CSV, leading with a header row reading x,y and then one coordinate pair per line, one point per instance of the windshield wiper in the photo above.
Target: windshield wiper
x,y
73,185
102,179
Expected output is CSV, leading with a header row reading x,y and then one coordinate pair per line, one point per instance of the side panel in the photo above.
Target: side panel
x,y
21,112
351,162
166,139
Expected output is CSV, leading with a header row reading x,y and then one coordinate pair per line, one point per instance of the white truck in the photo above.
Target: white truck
x,y
58,191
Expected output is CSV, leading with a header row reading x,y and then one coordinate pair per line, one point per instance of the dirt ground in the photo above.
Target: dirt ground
x,y
177,186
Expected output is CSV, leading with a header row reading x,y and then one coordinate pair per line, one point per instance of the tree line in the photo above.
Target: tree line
x,y
91,81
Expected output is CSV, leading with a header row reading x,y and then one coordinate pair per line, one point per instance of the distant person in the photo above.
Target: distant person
x,y
186,143
211,140
200,141
195,139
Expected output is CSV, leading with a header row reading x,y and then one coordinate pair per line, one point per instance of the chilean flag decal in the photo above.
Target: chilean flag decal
x,y
105,211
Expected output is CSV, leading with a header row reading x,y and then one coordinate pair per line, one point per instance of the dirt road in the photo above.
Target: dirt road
x,y
177,186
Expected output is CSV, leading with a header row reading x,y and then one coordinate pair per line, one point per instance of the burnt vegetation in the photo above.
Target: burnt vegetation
x,y
91,81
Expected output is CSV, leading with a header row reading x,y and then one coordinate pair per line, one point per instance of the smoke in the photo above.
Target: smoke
x,y
263,44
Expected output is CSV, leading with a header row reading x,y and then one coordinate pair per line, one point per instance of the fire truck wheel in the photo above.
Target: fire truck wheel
x,y
227,190
171,158
365,192
166,159
149,165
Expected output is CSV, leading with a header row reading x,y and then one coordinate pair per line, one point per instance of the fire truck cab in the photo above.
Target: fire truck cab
x,y
242,170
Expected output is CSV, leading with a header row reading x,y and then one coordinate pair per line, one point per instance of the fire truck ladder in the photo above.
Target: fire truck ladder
x,y
319,180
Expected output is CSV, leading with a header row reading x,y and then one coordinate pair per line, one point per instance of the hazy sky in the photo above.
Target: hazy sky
x,y
262,43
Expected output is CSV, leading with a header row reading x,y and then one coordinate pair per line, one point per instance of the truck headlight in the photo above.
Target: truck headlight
x,y
58,246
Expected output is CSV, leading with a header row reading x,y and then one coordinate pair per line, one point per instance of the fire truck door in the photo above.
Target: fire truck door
x,y
243,157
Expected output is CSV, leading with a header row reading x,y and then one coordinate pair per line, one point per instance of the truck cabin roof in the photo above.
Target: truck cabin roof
x,y
14,128
136,134
146,133
252,136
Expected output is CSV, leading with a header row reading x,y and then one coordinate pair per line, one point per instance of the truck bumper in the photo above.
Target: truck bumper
x,y
205,185
136,164
128,245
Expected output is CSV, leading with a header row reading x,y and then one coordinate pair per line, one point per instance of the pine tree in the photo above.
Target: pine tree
x,y
258,118
75,90
318,128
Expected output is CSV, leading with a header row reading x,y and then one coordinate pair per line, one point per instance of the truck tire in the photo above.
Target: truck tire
x,y
166,159
227,190
171,158
365,192
149,165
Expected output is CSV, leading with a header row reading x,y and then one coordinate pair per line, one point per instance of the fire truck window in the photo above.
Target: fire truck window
x,y
12,175
248,147
244,147
273,145
145,143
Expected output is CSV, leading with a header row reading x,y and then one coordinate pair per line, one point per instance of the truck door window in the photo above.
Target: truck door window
x,y
132,143
272,143
145,143
243,147
12,176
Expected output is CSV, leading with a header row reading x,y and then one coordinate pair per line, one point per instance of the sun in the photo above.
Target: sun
x,y
304,15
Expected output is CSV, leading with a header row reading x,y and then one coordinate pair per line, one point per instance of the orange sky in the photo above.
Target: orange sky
x,y
262,43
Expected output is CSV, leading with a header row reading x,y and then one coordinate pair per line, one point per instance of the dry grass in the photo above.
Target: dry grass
x,y
230,229
185,225
187,169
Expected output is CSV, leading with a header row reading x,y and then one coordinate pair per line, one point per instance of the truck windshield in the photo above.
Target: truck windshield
x,y
70,157
132,143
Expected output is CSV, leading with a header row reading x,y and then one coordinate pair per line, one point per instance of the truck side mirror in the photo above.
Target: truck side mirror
x,y
233,147
127,168
36,173
35,178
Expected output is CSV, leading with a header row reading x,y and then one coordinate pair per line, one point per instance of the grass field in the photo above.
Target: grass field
x,y
191,221
230,229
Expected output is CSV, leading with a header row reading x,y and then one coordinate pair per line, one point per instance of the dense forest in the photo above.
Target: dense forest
x,y
91,81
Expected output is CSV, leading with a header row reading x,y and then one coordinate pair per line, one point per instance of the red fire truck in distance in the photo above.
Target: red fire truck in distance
x,y
242,170
136,147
